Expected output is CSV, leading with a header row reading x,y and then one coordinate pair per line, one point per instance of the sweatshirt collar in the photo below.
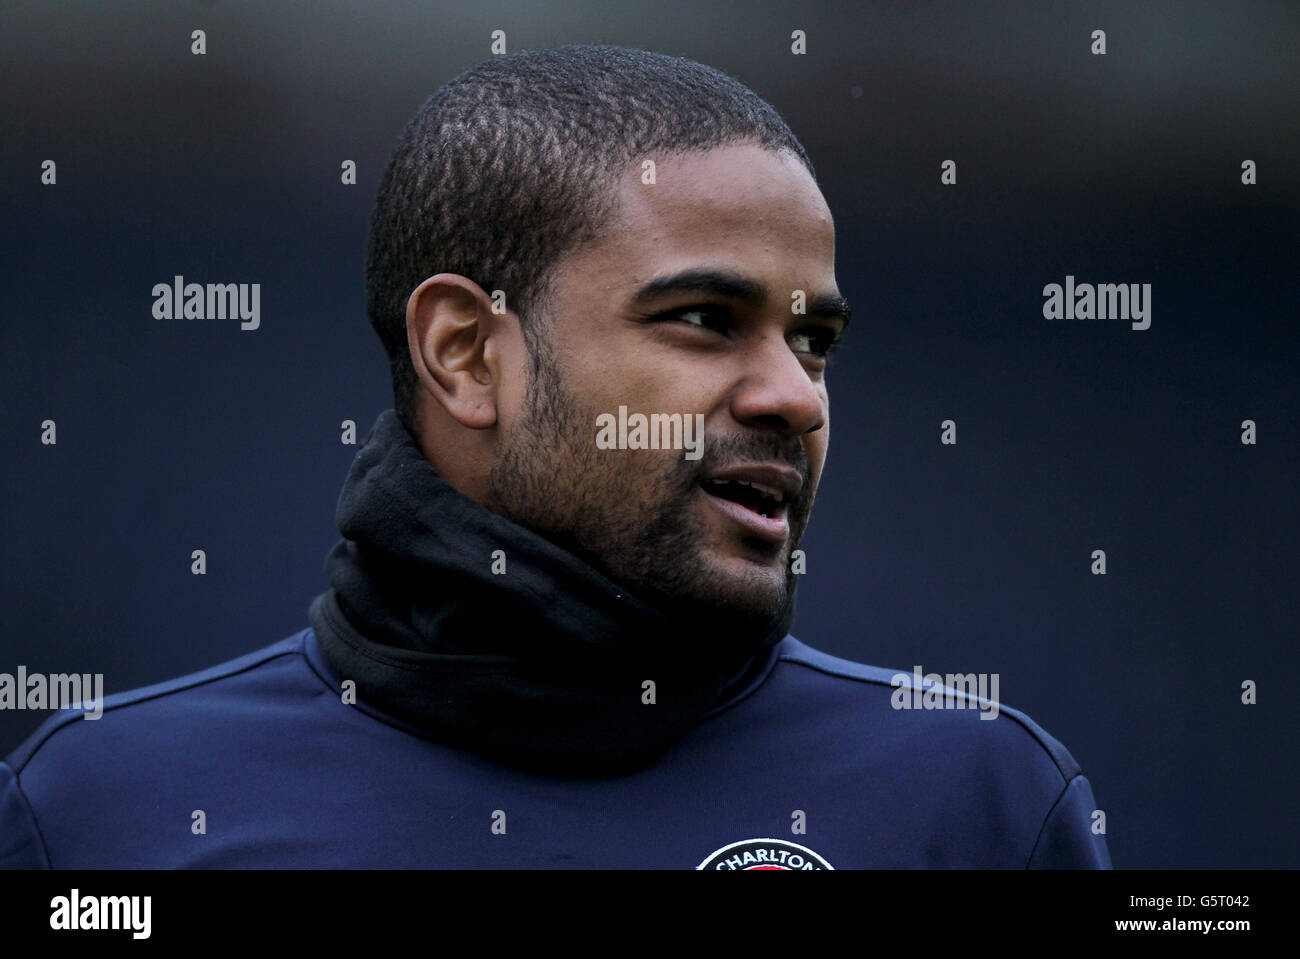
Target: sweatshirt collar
x,y
487,637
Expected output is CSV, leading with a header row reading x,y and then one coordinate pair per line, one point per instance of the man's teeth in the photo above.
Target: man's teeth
x,y
770,492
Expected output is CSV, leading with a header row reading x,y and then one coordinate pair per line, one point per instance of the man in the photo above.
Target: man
x,y
557,633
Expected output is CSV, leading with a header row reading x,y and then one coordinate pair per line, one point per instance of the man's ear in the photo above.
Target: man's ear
x,y
448,321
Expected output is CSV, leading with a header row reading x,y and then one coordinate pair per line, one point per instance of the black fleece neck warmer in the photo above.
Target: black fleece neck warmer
x,y
542,666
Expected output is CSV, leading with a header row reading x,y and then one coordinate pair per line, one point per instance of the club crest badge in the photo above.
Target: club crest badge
x,y
764,854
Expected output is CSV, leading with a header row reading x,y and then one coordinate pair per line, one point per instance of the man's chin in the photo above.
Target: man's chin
x,y
732,591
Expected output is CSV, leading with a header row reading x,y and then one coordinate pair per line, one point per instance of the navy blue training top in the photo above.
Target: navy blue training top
x,y
260,762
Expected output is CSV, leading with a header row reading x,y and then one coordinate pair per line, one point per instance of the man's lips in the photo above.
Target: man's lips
x,y
757,496
782,481
774,528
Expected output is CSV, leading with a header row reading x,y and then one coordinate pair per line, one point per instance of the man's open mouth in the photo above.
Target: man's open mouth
x,y
764,500
758,510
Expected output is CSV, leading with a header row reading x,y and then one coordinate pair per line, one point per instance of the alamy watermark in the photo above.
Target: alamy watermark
x,y
129,913
658,431
1104,301
949,691
53,691
179,300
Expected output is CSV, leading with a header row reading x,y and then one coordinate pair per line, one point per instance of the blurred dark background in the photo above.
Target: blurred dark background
x,y
1072,435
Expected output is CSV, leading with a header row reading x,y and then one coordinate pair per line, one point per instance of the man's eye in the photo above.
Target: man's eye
x,y
705,317
818,342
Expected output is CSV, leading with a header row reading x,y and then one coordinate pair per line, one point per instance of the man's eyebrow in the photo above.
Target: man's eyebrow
x,y
723,283
719,282
831,306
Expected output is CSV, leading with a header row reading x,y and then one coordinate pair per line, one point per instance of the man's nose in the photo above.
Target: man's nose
x,y
776,391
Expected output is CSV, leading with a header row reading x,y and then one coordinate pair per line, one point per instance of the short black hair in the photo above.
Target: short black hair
x,y
511,165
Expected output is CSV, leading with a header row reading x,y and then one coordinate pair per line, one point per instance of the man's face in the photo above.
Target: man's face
x,y
685,534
